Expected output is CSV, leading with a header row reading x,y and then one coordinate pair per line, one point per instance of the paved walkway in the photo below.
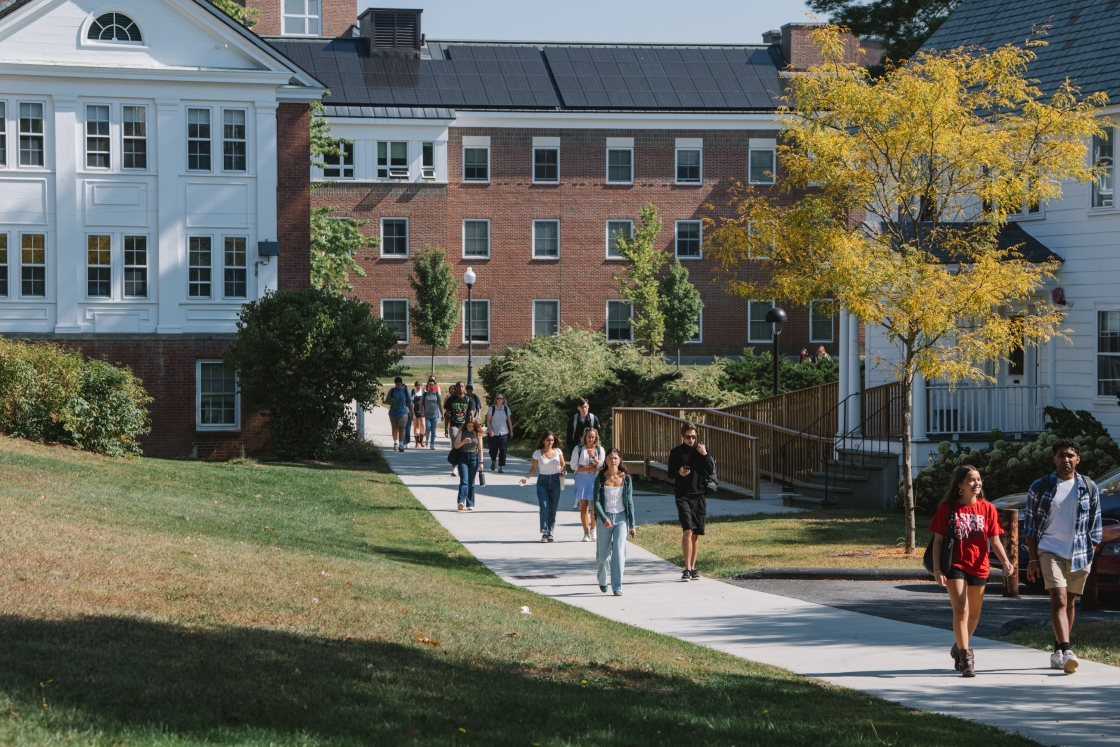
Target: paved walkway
x,y
902,662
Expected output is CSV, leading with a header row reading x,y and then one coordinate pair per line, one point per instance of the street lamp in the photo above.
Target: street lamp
x,y
776,316
469,277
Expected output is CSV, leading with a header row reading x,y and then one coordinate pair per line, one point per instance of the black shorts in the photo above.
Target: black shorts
x,y
968,578
692,510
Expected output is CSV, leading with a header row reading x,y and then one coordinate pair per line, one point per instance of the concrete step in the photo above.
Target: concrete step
x,y
837,478
833,493
801,501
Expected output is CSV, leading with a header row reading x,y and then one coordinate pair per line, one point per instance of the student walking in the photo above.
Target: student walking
x,y
468,442
432,402
1063,530
581,421
499,426
587,460
475,402
399,405
614,504
974,524
691,466
548,463
417,412
457,411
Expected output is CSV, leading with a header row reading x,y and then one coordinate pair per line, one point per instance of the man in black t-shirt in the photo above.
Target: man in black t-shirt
x,y
456,410
581,421
690,465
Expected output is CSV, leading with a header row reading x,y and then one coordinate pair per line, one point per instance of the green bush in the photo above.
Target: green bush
x,y
49,393
1010,467
753,374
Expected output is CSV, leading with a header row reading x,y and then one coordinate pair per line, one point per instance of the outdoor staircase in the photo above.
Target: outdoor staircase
x,y
857,478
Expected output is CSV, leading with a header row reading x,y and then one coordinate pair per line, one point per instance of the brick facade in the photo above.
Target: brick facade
x,y
293,195
337,16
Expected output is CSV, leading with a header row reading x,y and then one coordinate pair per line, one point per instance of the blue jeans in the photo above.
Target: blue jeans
x,y
468,468
611,547
430,422
408,432
548,496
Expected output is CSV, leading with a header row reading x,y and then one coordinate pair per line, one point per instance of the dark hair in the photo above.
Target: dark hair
x,y
621,464
959,476
687,428
555,441
581,402
398,380
470,387
1065,443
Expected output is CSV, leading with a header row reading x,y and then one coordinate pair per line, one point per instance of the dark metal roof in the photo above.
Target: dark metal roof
x,y
528,76
1011,236
389,112
1081,39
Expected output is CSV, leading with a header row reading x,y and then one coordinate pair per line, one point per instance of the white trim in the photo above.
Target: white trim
x,y
407,237
476,141
756,340
47,285
699,339
8,261
762,143
616,143
130,13
463,164
221,262
831,318
773,161
407,318
533,165
534,249
463,320
489,237
652,120
546,142
236,425
607,318
607,175
690,143
222,139
677,164
111,296
607,228
533,328
677,236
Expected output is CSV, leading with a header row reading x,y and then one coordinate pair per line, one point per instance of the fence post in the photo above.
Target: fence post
x,y
1010,539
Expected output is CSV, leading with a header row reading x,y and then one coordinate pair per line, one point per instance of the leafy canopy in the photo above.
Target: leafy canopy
x,y
680,305
334,241
903,25
246,16
644,260
435,313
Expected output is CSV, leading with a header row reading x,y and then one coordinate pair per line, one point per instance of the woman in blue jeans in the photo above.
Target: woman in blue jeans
x,y
468,441
614,505
432,402
548,463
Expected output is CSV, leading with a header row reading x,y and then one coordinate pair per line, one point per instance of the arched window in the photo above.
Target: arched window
x,y
114,27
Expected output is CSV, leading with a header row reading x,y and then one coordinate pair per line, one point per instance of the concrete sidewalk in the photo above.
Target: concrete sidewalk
x,y
906,663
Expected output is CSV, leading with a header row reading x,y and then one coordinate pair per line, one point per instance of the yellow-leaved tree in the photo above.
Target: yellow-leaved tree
x,y
893,194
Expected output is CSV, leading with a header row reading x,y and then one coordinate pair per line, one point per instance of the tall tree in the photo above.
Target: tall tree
x,y
334,240
435,313
680,305
247,17
902,185
644,260
903,25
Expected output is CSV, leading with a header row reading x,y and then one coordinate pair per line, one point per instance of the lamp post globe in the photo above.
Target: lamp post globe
x,y
776,316
469,277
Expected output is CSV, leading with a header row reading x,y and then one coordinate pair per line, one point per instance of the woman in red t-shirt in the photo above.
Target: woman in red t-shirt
x,y
975,524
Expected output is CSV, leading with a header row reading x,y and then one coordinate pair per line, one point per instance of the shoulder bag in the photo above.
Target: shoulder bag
x,y
947,547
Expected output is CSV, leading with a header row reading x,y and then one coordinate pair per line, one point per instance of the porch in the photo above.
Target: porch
x,y
968,411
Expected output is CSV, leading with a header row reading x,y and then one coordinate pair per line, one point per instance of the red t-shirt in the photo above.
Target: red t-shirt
x,y
975,524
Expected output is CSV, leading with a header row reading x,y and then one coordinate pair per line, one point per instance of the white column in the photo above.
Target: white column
x,y
852,362
842,362
69,275
1052,372
919,414
170,151
268,180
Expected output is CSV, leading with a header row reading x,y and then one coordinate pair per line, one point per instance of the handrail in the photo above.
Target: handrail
x,y
792,409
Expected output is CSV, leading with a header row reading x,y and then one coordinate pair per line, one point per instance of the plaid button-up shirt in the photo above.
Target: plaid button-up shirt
x,y
1087,532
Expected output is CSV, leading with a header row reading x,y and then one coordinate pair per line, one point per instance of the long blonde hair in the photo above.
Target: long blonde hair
x,y
583,441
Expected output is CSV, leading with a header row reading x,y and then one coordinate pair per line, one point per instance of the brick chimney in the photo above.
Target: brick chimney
x,y
329,18
796,45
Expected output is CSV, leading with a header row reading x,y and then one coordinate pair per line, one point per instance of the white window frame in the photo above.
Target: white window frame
x,y
773,164
222,263
768,340
407,236
546,256
428,171
677,236
608,234
46,278
463,320
244,141
1097,354
385,173
407,318
1093,160
86,137
126,138
534,164
6,265
677,166
108,296
209,139
198,424
212,296
608,170
342,166
831,320
305,16
464,164
147,266
489,238
4,143
533,330
699,337
607,318
19,133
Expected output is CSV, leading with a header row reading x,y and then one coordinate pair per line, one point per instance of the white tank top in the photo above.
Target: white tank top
x,y
548,466
612,500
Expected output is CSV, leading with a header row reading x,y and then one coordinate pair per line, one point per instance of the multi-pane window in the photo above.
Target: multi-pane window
x,y
234,264
546,164
217,395
618,321
33,265
98,267
135,266
758,329
114,27
3,264
395,313
134,137
394,237
1104,161
616,228
546,318
198,267
392,160
340,165
301,17
761,167
476,238
198,139
97,136
476,164
688,239
688,165
546,239
1108,353
620,166
699,336
233,140
3,134
820,321
427,160
30,134
760,240
479,321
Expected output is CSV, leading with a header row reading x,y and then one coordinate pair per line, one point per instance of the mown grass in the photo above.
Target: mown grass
x,y
175,603
1096,641
851,538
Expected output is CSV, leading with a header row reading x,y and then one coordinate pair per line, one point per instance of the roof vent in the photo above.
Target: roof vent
x,y
392,32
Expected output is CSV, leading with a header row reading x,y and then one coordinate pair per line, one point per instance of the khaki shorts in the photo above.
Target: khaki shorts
x,y
1056,572
400,422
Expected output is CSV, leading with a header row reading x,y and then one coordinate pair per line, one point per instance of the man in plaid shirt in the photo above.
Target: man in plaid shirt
x,y
1063,530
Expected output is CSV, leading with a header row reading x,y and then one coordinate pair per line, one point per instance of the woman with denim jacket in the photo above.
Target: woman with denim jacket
x,y
614,506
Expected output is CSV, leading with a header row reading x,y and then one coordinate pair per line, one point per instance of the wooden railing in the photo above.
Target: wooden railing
x,y
881,410
794,410
646,435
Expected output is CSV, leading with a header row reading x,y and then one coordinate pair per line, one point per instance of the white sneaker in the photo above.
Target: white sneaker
x,y
586,537
575,505
1057,659
593,535
1070,662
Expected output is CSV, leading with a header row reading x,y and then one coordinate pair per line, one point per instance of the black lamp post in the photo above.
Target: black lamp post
x,y
469,277
776,316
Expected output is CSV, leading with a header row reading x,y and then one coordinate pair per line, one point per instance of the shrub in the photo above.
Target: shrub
x,y
753,374
303,357
109,412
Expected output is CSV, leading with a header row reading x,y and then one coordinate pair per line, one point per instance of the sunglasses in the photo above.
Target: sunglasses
x,y
690,437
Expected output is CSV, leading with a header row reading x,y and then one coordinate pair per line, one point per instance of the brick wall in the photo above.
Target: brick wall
x,y
582,278
801,53
337,17
293,194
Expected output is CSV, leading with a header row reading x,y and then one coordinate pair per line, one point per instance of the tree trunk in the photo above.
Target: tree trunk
x,y
433,371
907,456
678,359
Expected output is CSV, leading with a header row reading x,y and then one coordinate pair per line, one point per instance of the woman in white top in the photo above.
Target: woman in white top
x,y
548,463
587,458
614,504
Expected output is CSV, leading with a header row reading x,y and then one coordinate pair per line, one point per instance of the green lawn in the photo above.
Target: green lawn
x,y
1096,641
180,603
838,539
